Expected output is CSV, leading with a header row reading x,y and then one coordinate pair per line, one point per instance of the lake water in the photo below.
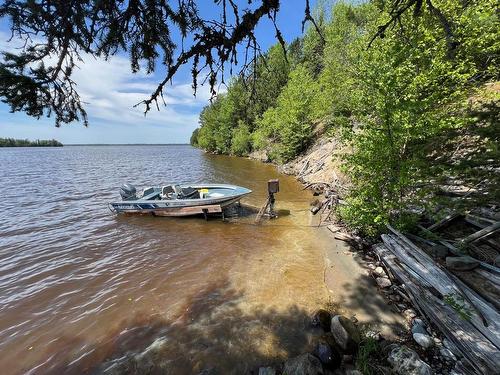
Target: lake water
x,y
80,286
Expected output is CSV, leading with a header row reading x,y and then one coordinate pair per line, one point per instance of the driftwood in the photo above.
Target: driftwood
x,y
333,228
343,236
481,354
304,167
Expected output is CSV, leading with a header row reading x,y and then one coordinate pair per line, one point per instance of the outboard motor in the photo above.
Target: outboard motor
x,y
128,192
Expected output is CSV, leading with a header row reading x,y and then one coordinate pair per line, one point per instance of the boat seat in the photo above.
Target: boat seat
x,y
190,193
149,193
167,192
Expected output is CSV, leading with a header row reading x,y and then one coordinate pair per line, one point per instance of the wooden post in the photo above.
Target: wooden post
x,y
273,186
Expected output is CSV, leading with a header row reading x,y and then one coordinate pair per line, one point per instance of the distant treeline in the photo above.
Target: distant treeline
x,y
11,142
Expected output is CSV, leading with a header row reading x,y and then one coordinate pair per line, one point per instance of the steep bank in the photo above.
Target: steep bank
x,y
318,165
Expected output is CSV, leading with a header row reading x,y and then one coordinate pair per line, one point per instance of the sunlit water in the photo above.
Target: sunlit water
x,y
80,287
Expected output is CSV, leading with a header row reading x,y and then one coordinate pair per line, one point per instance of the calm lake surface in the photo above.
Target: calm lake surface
x,y
80,286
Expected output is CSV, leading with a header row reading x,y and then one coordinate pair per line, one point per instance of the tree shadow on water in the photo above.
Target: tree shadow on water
x,y
218,332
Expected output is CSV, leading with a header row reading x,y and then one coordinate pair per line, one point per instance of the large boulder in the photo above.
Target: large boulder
x,y
461,263
305,364
405,361
345,333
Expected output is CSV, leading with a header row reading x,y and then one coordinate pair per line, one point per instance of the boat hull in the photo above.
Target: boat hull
x,y
183,207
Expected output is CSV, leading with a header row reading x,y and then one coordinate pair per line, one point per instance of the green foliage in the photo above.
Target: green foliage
x,y
193,141
369,353
288,126
11,142
246,100
37,79
241,140
402,109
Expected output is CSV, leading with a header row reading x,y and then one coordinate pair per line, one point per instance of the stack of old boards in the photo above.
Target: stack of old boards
x,y
431,288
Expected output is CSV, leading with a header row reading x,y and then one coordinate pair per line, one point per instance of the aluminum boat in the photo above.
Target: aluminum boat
x,y
178,200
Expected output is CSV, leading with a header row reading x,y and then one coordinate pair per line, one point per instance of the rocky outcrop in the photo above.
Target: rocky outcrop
x,y
317,165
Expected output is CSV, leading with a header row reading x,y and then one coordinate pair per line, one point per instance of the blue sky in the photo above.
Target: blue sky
x,y
110,91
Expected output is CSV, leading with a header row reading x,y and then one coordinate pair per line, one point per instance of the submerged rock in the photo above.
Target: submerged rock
x,y
461,263
424,340
322,318
345,333
405,361
209,371
305,364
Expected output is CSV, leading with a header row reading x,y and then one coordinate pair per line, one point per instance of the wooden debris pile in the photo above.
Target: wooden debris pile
x,y
463,314
327,198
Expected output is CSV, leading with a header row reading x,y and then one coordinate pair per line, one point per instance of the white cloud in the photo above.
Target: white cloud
x,y
110,91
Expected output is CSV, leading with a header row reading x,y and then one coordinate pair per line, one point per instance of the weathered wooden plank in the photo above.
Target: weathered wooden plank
x,y
480,220
417,260
446,220
482,223
481,234
479,352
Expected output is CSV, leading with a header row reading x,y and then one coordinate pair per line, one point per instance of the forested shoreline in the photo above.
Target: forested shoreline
x,y
413,110
11,142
